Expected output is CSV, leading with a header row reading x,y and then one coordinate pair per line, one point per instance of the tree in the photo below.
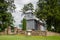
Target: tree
x,y
49,10
24,24
27,7
6,18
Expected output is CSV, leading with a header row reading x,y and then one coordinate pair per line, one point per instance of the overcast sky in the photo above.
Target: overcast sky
x,y
19,5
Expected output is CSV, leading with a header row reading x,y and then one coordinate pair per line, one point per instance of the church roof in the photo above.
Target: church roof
x,y
28,11
38,19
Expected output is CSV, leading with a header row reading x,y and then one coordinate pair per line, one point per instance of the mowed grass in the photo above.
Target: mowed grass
x,y
18,37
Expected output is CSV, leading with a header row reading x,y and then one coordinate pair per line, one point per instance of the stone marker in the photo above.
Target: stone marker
x,y
29,32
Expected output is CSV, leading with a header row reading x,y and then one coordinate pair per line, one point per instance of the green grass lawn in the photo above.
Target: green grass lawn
x,y
18,37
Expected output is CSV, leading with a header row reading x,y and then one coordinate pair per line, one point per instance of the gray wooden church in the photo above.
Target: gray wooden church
x,y
32,22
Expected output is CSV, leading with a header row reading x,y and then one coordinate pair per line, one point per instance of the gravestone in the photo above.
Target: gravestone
x,y
5,31
15,30
19,30
9,30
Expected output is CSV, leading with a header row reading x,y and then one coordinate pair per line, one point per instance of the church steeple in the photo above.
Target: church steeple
x,y
29,14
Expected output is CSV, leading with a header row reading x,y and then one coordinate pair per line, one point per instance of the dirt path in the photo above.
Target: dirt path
x,y
52,34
